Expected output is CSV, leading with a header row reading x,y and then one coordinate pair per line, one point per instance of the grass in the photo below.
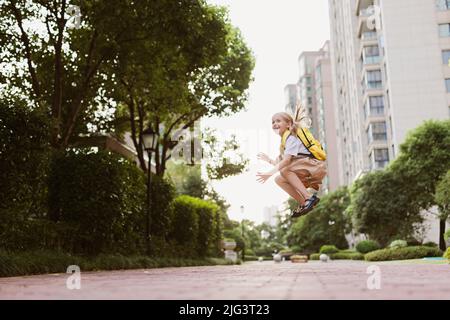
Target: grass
x,y
44,262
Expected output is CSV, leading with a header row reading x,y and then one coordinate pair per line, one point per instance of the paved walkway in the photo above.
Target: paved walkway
x,y
253,280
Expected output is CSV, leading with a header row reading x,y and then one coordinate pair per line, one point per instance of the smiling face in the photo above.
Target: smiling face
x,y
280,123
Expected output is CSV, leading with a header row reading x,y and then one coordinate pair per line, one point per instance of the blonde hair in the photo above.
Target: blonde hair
x,y
299,120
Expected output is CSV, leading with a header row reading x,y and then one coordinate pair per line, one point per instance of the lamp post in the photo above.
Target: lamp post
x,y
242,228
149,141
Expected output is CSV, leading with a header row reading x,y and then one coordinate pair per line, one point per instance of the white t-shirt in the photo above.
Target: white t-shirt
x,y
294,146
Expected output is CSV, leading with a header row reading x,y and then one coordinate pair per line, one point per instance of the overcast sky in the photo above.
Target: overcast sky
x,y
277,32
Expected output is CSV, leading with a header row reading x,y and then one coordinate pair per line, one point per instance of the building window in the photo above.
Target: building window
x,y
381,158
373,79
370,35
444,30
309,101
376,106
446,56
447,84
371,55
443,5
377,132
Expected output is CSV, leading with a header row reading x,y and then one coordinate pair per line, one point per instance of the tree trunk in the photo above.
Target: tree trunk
x,y
442,244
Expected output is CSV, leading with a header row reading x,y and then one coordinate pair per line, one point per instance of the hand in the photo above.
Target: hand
x,y
263,177
264,157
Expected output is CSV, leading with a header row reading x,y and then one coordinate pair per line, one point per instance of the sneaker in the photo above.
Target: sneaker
x,y
297,211
309,205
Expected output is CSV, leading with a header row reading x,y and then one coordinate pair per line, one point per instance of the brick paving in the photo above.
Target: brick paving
x,y
250,281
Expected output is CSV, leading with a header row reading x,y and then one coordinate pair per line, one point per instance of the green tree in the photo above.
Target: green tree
x,y
442,199
224,159
208,75
327,224
381,207
60,69
423,162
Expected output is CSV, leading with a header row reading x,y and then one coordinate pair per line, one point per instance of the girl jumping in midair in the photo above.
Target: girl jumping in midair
x,y
301,163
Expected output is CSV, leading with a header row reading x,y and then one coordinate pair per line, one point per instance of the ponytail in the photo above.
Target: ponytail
x,y
301,119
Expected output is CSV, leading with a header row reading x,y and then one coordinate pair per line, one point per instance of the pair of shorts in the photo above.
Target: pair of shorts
x,y
310,171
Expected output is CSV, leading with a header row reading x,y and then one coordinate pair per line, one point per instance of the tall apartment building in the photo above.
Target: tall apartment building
x,y
390,63
306,87
291,98
325,106
314,91
391,72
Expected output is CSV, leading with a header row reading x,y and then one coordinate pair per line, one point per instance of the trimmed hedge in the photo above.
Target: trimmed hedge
x,y
367,246
339,256
407,253
328,249
102,197
44,262
194,226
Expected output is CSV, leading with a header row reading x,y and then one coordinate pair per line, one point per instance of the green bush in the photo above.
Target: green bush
x,y
249,252
43,262
398,244
447,253
447,235
328,249
403,253
430,244
102,197
24,166
341,255
207,214
367,246
314,256
185,225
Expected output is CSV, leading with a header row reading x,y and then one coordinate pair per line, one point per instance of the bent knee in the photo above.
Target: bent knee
x,y
284,172
279,180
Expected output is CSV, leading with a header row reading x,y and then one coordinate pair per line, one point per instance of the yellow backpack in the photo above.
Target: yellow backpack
x,y
313,145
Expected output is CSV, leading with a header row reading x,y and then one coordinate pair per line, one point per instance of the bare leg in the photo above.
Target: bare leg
x,y
284,184
295,183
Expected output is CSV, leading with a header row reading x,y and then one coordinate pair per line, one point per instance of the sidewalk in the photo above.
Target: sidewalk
x,y
253,280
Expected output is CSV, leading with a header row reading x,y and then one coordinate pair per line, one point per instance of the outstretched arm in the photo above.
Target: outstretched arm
x,y
265,157
263,177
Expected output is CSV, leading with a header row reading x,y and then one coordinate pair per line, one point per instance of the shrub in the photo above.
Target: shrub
x,y
328,249
447,253
447,235
367,246
185,225
24,162
249,252
42,262
347,256
339,256
430,244
403,253
207,213
398,244
102,196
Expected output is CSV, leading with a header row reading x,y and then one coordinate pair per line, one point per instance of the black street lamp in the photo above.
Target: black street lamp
x,y
242,229
149,138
